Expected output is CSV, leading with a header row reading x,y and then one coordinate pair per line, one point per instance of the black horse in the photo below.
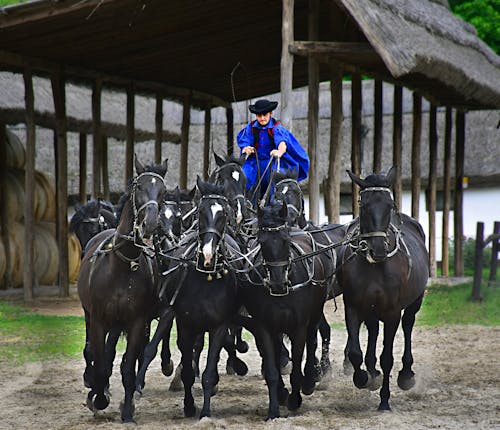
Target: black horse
x,y
92,218
382,272
284,292
117,287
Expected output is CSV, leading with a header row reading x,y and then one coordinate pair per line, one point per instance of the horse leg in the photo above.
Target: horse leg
x,y
97,398
241,345
164,326
197,349
284,358
88,355
167,365
296,377
325,332
312,373
135,343
353,322
110,348
210,377
233,363
185,343
372,326
406,377
278,353
387,360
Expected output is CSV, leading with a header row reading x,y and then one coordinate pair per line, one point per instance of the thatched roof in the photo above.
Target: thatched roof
x,y
212,51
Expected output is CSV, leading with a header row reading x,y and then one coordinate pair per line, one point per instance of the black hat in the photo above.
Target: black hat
x,y
263,106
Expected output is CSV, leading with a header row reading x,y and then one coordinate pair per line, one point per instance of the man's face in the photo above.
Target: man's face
x,y
263,118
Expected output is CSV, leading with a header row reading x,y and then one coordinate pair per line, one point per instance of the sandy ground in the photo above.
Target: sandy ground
x,y
458,387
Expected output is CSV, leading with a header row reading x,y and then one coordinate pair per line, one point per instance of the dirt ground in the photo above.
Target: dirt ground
x,y
458,387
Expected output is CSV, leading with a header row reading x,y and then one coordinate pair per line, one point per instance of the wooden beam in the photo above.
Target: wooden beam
x,y
83,169
397,143
97,138
230,130
313,115
104,167
58,90
186,119
29,187
356,116
286,68
206,144
378,125
445,259
458,214
4,213
158,128
129,145
310,47
416,144
432,188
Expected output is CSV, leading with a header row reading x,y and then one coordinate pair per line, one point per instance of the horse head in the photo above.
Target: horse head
x,y
212,219
229,174
171,215
148,193
376,207
287,189
274,239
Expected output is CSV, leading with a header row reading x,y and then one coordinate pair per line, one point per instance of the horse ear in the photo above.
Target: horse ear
x,y
199,183
165,165
139,168
301,221
357,180
218,160
192,193
392,175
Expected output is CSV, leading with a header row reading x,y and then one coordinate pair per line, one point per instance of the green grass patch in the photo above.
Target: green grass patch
x,y
453,305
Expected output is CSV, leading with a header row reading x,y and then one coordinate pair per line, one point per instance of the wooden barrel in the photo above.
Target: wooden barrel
x,y
15,151
74,258
14,197
16,246
48,189
46,253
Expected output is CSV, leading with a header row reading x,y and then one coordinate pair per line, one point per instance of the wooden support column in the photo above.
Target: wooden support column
x,y
82,194
4,214
129,147
97,138
313,115
416,144
378,124
58,90
158,128
332,189
397,143
445,258
356,115
186,119
432,188
29,187
286,78
206,143
458,215
105,170
230,130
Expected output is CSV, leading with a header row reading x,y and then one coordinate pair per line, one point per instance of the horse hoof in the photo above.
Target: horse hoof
x,y
294,402
128,421
242,347
384,407
229,368
360,379
240,367
96,402
405,381
204,414
189,411
167,369
283,396
307,391
375,381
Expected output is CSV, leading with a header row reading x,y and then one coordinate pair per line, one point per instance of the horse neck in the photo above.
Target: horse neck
x,y
126,222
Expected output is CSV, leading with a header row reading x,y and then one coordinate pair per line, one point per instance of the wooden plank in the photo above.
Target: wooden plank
x,y
29,187
82,194
104,168
58,90
445,258
158,128
206,144
230,130
332,192
378,124
313,115
305,48
432,188
397,143
495,247
186,119
416,144
478,263
458,258
97,138
4,215
129,145
286,65
356,115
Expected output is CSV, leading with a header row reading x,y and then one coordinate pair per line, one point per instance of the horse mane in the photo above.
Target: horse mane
x,y
209,188
377,180
271,216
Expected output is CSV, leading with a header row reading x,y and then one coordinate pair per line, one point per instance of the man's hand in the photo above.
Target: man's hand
x,y
248,150
280,151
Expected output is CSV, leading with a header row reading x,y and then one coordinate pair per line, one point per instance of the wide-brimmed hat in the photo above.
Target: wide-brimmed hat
x,y
263,106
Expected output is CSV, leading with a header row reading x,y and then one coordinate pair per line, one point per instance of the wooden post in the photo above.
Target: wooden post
x,y
97,139
459,194
478,262
82,195
129,147
332,191
58,90
445,260
230,130
415,155
313,114
286,77
495,247
104,165
378,124
206,143
186,118
397,147
4,215
432,187
158,128
356,115
29,187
